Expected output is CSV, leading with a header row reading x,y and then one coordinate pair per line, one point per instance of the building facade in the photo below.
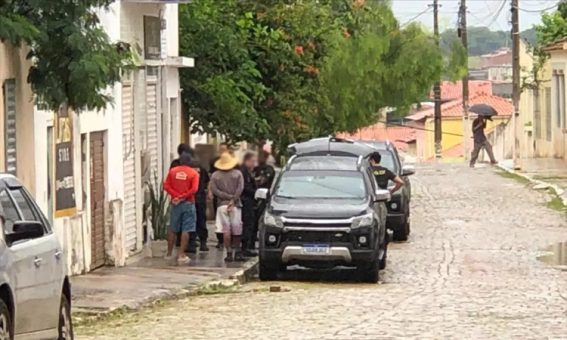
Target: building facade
x,y
89,170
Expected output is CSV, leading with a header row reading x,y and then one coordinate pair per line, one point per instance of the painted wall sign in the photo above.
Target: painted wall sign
x,y
65,204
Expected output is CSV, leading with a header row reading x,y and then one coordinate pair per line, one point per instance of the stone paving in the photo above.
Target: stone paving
x,y
468,271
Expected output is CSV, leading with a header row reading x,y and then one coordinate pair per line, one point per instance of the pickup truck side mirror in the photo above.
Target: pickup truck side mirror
x,y
261,194
25,230
408,170
382,195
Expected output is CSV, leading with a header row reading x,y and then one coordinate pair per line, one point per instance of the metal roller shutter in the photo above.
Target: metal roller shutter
x,y
10,125
130,206
152,129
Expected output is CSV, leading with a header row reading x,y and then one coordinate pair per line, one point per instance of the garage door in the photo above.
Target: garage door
x,y
129,168
97,199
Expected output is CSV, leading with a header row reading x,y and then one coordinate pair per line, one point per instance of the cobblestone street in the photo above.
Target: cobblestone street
x,y
468,271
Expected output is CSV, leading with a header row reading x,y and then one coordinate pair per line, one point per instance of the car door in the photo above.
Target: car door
x,y
33,260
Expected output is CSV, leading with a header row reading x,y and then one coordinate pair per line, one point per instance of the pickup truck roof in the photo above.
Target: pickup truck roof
x,y
330,146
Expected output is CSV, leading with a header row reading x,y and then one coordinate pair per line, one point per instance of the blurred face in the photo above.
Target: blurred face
x,y
223,148
251,163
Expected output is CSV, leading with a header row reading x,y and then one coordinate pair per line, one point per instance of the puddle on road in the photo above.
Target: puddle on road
x,y
556,255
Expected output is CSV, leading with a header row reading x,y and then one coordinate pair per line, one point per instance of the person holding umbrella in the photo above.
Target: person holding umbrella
x,y
479,124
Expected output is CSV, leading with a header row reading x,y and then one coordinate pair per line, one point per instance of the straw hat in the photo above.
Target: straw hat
x,y
226,162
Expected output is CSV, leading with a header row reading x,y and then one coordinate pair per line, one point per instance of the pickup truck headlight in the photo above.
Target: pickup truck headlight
x,y
273,221
363,221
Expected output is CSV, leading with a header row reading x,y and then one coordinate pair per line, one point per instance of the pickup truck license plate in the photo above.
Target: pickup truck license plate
x,y
316,249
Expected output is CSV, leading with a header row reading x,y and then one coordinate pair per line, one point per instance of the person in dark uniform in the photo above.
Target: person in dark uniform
x,y
223,147
200,201
248,205
383,175
264,173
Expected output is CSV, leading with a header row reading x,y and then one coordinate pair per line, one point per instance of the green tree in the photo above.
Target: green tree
x,y
553,27
14,27
74,60
220,94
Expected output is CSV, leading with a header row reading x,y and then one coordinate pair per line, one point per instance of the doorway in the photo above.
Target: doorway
x,y
97,196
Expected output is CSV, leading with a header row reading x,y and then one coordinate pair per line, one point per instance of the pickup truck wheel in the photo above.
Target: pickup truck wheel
x,y
267,272
5,323
382,261
401,233
369,272
65,328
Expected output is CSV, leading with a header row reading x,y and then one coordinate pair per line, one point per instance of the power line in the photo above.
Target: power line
x,y
417,16
498,12
538,10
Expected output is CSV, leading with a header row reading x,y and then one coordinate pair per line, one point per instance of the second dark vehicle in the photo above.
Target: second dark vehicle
x,y
399,205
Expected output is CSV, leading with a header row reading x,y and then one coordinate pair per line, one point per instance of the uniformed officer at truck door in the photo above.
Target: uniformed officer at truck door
x,y
383,175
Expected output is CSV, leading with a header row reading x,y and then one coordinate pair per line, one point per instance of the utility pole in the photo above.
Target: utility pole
x,y
464,40
437,88
516,82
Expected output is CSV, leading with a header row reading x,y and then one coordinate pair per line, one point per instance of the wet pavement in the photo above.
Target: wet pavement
x,y
109,288
470,270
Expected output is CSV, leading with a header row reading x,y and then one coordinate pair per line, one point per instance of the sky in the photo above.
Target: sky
x,y
480,12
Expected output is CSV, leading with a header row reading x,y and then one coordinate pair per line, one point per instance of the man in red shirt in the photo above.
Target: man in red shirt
x,y
181,184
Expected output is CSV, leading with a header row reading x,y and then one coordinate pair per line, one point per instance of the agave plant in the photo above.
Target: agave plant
x,y
158,209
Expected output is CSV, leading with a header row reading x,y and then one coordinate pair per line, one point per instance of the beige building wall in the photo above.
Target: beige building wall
x,y
13,65
558,64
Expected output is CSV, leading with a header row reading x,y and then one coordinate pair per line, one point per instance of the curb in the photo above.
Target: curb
x,y
558,191
249,269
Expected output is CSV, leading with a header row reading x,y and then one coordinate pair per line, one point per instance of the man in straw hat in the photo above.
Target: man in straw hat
x,y
227,184
181,183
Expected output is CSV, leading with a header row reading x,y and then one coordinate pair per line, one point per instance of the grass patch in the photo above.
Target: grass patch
x,y
556,203
85,320
513,176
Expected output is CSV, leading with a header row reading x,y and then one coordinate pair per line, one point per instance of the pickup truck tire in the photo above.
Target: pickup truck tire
x,y
65,329
5,322
401,234
267,271
382,261
369,272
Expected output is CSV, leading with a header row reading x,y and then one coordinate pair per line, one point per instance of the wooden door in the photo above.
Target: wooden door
x,y
97,199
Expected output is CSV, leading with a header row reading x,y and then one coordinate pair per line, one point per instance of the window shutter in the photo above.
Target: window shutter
x,y
10,125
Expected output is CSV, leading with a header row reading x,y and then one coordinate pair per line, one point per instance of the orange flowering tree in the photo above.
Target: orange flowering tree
x,y
291,70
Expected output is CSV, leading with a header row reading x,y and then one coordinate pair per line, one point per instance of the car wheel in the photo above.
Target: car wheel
x,y
65,323
369,272
267,272
382,261
5,323
401,233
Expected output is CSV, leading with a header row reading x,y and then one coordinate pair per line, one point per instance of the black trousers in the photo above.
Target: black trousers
x,y
248,224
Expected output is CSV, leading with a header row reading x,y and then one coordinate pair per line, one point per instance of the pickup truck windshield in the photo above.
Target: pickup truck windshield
x,y
322,185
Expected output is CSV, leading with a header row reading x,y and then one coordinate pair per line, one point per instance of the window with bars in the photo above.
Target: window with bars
x,y
9,89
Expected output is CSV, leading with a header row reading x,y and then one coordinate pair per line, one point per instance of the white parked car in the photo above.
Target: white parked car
x,y
35,293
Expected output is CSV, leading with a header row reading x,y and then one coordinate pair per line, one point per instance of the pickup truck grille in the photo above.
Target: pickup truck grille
x,y
315,236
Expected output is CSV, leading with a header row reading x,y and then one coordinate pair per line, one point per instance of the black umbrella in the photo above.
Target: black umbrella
x,y
483,110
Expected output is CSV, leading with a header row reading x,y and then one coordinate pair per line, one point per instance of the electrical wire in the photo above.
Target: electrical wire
x,y
416,17
538,10
498,12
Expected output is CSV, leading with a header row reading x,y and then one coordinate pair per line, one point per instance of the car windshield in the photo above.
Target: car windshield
x,y
388,161
322,185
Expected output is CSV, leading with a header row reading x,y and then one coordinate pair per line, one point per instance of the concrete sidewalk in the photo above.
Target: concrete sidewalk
x,y
544,173
109,289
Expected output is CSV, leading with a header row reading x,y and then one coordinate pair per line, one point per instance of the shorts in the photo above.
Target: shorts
x,y
183,217
229,222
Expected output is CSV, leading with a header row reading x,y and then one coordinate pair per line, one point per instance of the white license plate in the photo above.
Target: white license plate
x,y
315,249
